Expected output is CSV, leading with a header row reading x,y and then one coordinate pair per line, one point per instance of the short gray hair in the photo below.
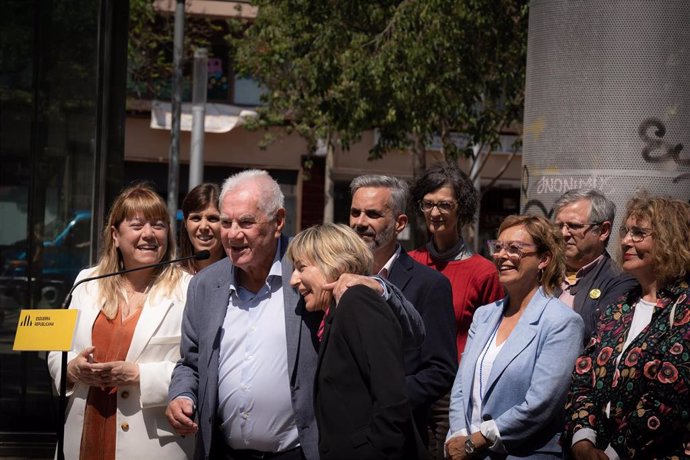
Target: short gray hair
x,y
272,198
400,191
602,208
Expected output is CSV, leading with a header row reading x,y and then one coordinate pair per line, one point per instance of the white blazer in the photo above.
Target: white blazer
x,y
143,431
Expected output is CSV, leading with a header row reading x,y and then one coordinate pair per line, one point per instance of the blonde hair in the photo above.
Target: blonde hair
x,y
334,248
548,240
136,199
670,222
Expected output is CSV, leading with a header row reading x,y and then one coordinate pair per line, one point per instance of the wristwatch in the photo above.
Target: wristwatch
x,y
470,448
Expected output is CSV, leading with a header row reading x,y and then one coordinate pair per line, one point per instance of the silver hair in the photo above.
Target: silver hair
x,y
400,191
602,208
272,198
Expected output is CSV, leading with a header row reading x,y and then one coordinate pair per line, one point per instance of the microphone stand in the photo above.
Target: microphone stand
x,y
201,255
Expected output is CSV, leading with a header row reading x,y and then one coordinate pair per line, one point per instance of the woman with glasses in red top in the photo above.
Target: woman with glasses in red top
x,y
630,396
507,399
447,199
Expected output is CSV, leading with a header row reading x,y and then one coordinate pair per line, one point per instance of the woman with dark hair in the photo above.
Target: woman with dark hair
x,y
507,399
201,227
448,201
630,395
127,339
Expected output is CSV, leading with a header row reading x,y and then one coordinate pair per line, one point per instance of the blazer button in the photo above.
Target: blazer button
x,y
125,426
125,394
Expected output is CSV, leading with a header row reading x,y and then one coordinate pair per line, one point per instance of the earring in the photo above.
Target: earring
x,y
540,275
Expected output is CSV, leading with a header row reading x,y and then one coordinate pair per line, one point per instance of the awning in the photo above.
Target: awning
x,y
220,118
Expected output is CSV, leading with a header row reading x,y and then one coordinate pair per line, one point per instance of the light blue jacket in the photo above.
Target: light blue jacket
x,y
530,377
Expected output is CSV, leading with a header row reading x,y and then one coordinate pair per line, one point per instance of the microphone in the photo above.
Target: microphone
x,y
201,255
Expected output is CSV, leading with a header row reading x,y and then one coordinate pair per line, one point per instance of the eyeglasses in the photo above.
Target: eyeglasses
x,y
444,207
575,227
514,249
637,234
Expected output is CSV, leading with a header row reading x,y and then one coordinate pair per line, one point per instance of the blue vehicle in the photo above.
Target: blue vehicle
x,y
59,259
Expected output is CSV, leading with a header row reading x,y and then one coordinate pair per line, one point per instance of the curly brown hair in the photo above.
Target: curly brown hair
x,y
549,240
669,219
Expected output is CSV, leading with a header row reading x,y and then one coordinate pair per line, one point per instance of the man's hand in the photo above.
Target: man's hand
x,y
347,280
180,412
585,450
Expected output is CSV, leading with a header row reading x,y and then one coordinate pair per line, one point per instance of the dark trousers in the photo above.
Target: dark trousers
x,y
221,451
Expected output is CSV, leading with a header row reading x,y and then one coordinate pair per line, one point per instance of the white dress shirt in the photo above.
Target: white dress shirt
x,y
254,400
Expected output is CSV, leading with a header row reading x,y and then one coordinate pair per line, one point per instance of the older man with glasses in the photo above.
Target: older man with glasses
x,y
585,217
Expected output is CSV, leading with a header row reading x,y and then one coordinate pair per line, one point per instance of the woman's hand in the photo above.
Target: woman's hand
x,y
585,450
117,373
455,448
80,369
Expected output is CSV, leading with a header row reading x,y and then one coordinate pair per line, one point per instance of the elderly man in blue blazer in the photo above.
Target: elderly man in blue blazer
x,y
249,348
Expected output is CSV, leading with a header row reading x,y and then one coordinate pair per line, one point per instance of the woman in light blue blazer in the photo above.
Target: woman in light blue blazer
x,y
508,397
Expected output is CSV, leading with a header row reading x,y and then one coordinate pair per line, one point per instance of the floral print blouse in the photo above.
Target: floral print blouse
x,y
649,390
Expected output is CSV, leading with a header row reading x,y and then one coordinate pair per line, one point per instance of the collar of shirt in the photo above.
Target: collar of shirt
x,y
385,271
274,273
582,272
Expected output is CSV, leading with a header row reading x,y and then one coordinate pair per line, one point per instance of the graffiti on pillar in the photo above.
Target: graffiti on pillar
x,y
525,179
561,185
657,150
538,205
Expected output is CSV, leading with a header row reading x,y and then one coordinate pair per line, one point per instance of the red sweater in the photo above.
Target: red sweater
x,y
475,283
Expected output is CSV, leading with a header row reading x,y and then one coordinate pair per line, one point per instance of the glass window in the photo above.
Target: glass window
x,y
48,56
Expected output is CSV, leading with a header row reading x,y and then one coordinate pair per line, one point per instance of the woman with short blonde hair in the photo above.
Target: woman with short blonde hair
x,y
359,396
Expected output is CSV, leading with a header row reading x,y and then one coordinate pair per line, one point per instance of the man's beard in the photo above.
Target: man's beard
x,y
381,239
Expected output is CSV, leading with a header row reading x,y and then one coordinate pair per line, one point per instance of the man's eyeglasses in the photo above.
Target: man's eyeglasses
x,y
514,249
444,207
637,234
575,227
244,223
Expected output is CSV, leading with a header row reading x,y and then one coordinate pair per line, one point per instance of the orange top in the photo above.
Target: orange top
x,y
111,339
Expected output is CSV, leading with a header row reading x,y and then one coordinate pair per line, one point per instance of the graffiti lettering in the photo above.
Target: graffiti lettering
x,y
671,152
525,179
538,205
564,184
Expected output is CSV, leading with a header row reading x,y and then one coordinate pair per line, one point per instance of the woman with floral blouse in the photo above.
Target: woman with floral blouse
x,y
630,396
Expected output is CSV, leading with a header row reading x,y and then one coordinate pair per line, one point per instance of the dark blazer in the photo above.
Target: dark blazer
x,y
196,374
359,394
430,369
612,285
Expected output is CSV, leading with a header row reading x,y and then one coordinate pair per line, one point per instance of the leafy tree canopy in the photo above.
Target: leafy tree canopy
x,y
412,68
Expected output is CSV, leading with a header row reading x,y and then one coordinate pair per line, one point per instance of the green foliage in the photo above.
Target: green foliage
x,y
150,48
412,68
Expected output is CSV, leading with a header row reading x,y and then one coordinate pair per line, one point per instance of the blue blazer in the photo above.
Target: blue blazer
x,y
530,377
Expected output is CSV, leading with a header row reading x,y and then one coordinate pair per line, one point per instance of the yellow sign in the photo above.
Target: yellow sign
x,y
45,330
